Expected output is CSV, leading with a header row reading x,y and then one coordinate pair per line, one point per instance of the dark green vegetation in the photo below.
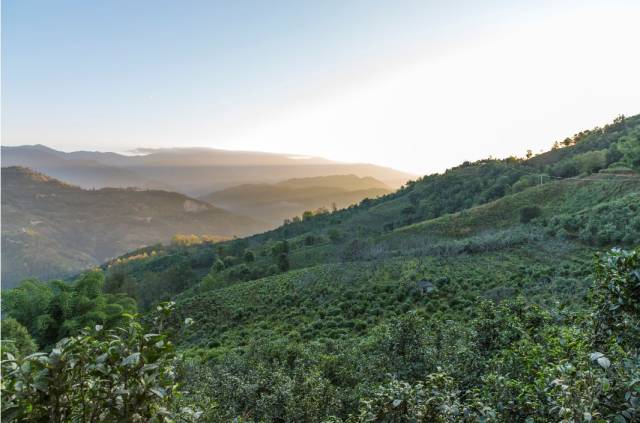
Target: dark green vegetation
x,y
466,296
99,375
16,339
51,311
52,229
287,199
515,361
511,362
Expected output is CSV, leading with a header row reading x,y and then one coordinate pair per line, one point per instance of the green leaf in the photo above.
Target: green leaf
x,y
160,392
149,367
604,362
132,360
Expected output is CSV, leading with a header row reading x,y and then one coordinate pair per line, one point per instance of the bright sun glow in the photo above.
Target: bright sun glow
x,y
512,89
420,87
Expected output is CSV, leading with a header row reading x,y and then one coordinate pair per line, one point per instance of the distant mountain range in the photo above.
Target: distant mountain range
x,y
53,229
191,171
63,212
276,202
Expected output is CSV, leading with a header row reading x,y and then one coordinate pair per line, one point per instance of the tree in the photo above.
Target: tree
x,y
283,262
15,338
591,161
529,213
90,284
629,147
616,295
309,239
218,266
619,119
414,199
28,303
408,211
335,236
240,273
229,261
249,256
281,247
401,347
526,181
178,278
184,240
57,309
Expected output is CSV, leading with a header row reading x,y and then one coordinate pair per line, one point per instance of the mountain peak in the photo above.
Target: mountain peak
x,y
23,173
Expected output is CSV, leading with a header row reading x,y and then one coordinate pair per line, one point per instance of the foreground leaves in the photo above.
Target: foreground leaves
x,y
119,375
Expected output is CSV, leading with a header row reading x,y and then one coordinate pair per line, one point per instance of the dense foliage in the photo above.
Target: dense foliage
x,y
467,296
16,340
125,374
54,230
616,221
57,309
515,361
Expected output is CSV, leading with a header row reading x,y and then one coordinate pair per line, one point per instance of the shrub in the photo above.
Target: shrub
x,y
100,375
283,262
526,181
591,161
15,338
217,266
335,236
434,400
309,240
527,214
249,256
230,261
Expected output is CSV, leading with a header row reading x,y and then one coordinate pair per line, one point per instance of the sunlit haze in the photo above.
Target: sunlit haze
x,y
415,85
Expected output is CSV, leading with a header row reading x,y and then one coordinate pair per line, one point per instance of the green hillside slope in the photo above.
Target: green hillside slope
x,y
486,206
343,289
472,217
471,295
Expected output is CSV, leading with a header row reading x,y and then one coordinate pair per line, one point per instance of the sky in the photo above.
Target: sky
x,y
415,85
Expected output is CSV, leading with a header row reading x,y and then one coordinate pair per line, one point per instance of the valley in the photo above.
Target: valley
x,y
291,198
320,212
52,229
454,297
191,171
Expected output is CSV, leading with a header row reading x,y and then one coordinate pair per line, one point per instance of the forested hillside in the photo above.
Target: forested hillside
x,y
52,229
488,293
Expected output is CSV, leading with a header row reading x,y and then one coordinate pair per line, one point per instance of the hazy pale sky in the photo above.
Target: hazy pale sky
x,y
416,85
